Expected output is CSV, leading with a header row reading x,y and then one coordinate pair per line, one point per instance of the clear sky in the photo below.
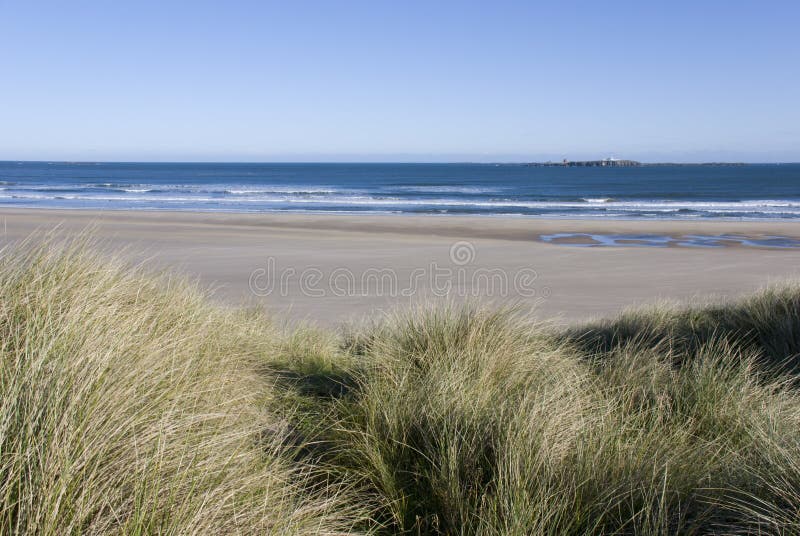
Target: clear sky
x,y
400,80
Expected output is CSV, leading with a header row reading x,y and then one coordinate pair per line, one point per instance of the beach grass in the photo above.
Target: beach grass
x,y
129,405
132,404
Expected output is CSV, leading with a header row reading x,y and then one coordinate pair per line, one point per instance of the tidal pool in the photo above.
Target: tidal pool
x,y
664,241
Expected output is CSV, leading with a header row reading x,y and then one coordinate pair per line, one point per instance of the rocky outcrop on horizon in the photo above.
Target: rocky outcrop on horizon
x,y
607,162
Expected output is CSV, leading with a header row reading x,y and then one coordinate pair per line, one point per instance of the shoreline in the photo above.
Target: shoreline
x,y
502,226
569,284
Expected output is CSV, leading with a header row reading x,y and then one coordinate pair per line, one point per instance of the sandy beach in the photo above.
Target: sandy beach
x,y
333,268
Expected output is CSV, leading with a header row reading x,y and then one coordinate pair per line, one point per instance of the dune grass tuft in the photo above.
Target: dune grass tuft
x,y
129,405
464,420
765,323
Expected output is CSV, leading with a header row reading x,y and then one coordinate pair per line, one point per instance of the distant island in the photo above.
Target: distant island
x,y
606,162
616,162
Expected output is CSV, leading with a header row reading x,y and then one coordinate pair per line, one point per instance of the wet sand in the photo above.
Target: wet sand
x,y
333,268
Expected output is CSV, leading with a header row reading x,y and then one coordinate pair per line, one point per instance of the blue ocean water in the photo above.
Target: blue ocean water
x,y
767,191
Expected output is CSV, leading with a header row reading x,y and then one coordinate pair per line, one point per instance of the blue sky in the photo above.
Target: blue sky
x,y
397,81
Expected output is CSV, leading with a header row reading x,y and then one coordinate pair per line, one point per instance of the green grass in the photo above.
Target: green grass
x,y
133,405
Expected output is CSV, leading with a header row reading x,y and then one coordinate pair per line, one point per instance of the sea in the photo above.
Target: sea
x,y
753,191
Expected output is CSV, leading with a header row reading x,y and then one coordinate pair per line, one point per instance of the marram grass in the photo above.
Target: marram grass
x,y
133,405
129,405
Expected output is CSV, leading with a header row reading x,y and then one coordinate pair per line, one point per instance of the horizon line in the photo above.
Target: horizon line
x,y
555,163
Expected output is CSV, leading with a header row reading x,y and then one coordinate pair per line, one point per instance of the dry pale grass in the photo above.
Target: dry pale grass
x,y
464,420
129,405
